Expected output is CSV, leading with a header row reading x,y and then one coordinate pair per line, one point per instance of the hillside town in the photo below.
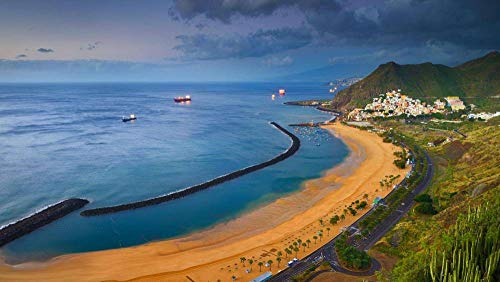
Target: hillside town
x,y
394,103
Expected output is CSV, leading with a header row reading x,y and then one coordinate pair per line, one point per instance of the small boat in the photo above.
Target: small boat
x,y
131,117
273,96
180,99
282,92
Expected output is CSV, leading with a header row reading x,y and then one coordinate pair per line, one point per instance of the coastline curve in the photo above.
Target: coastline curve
x,y
294,147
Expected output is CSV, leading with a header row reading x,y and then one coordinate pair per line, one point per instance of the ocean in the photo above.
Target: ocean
x,y
67,140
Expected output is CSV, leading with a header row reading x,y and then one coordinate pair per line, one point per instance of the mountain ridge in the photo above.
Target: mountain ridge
x,y
476,79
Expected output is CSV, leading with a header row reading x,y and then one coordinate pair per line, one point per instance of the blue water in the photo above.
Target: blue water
x,y
67,140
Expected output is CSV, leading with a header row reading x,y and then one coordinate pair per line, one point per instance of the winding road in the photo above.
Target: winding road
x,y
327,253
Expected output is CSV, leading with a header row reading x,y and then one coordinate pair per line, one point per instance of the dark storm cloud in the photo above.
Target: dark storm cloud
x,y
45,50
257,44
223,10
473,24
21,56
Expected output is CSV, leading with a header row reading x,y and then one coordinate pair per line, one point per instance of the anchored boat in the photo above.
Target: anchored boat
x,y
180,99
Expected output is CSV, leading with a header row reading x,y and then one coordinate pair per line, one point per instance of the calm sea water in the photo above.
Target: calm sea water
x,y
67,140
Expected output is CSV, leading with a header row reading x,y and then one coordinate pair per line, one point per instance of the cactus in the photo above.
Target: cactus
x,y
475,252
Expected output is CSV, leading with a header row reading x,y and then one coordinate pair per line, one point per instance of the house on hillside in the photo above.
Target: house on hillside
x,y
455,103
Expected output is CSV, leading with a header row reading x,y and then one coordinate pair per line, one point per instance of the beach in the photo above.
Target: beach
x,y
215,253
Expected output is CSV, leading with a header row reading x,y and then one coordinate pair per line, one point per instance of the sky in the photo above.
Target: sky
x,y
236,40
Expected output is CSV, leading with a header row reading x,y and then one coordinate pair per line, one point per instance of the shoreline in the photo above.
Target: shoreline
x,y
214,253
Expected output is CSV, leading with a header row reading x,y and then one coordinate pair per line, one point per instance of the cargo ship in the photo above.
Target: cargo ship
x,y
179,99
131,117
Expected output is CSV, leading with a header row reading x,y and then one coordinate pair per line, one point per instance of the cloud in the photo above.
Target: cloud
x,y
274,61
472,24
21,56
224,10
91,46
256,44
45,50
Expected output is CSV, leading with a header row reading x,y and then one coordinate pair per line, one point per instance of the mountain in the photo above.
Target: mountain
x,y
473,80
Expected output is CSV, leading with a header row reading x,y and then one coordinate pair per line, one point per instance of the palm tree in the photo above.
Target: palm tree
x,y
279,254
250,261
288,252
342,217
365,196
320,236
270,262
315,238
299,241
308,242
260,266
295,244
242,260
278,259
328,231
296,250
304,245
321,221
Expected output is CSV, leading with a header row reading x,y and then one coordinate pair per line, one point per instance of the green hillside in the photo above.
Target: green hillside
x,y
465,194
475,81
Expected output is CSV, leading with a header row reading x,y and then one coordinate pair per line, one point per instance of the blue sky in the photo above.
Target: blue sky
x,y
235,40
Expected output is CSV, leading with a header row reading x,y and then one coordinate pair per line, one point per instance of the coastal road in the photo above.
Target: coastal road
x,y
327,253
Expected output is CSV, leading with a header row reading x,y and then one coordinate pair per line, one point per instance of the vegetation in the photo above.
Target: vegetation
x,y
402,157
426,208
476,81
325,266
470,249
349,256
452,223
423,198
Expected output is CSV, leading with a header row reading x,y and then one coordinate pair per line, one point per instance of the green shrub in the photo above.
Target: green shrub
x,y
350,256
423,198
426,208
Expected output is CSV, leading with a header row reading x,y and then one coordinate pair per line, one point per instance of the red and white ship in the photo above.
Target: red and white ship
x,y
180,99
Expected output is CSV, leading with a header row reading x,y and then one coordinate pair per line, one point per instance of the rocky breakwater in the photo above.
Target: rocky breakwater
x,y
294,147
29,224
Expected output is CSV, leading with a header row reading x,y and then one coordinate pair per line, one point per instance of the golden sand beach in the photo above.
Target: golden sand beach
x,y
215,253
